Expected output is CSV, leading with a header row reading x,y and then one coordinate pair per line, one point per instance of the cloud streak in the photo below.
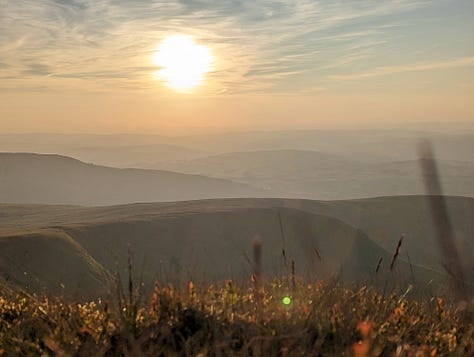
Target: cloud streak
x,y
258,44
418,67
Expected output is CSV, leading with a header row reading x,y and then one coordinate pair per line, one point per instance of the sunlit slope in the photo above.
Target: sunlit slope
x,y
50,261
218,245
54,179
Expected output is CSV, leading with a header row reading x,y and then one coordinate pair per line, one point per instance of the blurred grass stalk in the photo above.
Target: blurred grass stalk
x,y
451,259
257,263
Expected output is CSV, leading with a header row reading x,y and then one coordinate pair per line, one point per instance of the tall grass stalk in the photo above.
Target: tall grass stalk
x,y
444,231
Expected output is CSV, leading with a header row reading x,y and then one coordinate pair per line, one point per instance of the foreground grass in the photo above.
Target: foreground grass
x,y
229,320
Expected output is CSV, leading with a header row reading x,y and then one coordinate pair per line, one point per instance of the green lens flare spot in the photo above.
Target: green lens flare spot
x,y
286,300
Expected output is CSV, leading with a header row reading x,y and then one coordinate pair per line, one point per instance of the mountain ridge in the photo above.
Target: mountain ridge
x,y
53,179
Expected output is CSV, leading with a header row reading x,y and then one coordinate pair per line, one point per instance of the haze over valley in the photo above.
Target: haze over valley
x,y
317,164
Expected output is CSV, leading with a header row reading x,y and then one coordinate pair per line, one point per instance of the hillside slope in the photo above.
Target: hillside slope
x,y
383,219
212,239
52,262
54,179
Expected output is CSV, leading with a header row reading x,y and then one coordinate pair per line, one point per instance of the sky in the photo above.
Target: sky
x,y
87,65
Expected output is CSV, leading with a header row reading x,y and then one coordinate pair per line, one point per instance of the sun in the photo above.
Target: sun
x,y
183,63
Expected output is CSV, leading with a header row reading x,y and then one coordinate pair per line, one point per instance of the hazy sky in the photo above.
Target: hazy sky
x,y
87,65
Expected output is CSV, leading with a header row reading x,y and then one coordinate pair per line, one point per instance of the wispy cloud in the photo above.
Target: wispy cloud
x,y
417,67
258,44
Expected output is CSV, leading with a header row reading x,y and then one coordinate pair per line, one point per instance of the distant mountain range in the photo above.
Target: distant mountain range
x,y
143,151
314,164
55,179
77,251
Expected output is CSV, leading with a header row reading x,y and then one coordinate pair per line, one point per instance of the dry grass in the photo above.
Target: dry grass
x,y
228,320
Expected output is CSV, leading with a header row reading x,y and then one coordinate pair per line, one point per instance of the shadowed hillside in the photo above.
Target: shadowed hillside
x,y
217,245
212,240
384,218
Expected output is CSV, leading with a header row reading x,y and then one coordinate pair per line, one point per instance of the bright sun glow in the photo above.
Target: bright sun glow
x,y
183,62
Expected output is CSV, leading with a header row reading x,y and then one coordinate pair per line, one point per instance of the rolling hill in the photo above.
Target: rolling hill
x,y
77,250
55,179
368,145
124,151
